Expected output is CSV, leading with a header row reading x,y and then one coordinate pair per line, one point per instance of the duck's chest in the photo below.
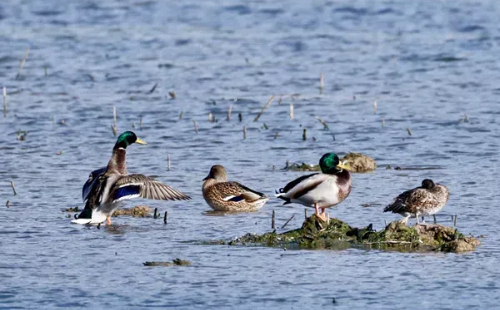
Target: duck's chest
x,y
331,192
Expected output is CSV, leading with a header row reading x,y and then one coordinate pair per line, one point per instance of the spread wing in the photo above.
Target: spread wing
x,y
93,195
91,182
138,185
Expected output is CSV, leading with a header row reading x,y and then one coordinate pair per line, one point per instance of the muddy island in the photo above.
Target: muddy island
x,y
317,234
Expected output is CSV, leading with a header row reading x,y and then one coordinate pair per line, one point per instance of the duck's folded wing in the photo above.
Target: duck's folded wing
x,y
303,185
138,185
236,192
409,200
91,182
295,182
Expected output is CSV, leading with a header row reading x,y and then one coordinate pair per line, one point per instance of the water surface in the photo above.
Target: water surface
x,y
426,63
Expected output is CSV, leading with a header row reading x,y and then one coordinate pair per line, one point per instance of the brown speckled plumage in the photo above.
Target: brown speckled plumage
x,y
221,195
427,199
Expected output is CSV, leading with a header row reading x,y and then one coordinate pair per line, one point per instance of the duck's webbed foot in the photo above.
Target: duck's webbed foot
x,y
324,216
405,220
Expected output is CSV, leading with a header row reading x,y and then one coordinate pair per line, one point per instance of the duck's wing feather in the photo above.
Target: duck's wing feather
x,y
236,192
303,185
411,200
138,185
295,182
91,182
93,196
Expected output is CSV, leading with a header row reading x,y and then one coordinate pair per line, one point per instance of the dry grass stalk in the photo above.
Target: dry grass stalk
x,y
13,187
409,131
240,117
195,126
113,127
168,162
325,125
172,95
375,107
153,89
321,83
273,220
4,101
180,115
23,61
229,112
140,123
383,121
276,135
244,132
304,135
291,110
286,223
264,108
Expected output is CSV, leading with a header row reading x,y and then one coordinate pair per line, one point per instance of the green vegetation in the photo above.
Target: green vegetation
x,y
316,234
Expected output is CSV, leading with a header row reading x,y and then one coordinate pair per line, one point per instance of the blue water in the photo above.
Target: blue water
x,y
431,66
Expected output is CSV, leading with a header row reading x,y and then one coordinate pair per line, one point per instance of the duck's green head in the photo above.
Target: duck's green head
x,y
127,138
330,164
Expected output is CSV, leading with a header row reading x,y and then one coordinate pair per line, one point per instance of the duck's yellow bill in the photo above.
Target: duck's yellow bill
x,y
140,141
344,165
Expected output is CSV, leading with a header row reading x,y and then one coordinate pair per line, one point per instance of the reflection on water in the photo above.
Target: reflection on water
x,y
430,66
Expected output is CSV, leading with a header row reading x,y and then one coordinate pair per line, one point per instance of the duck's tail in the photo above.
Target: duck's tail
x,y
280,193
259,203
89,216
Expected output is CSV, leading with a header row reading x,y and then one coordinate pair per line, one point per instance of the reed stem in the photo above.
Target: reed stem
x,y
23,61
13,187
264,108
229,113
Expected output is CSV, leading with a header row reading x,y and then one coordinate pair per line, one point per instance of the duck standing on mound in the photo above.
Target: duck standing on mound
x,y
428,199
107,187
221,195
320,190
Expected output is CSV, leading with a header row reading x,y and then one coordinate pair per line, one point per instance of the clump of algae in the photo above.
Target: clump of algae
x,y
358,162
137,211
317,234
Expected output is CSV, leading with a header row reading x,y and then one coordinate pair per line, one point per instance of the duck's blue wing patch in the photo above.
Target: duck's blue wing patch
x,y
236,199
127,192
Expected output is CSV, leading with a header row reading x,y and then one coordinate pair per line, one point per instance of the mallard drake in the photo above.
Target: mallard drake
x,y
107,187
427,199
320,190
221,195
